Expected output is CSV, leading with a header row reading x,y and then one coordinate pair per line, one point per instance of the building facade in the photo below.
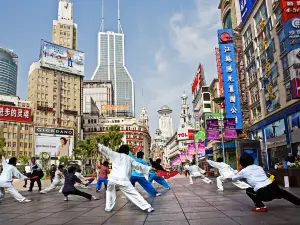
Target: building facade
x,y
64,31
165,121
99,93
135,131
8,72
16,126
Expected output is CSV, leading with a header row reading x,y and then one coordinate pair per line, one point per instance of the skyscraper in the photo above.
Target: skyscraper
x,y
111,66
64,29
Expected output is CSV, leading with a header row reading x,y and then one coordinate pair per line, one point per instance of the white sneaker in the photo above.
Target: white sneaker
x,y
60,191
220,190
158,194
150,210
107,210
26,200
95,198
66,199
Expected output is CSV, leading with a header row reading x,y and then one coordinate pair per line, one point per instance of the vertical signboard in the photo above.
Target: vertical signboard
x,y
290,9
212,127
292,33
219,70
229,73
229,128
246,7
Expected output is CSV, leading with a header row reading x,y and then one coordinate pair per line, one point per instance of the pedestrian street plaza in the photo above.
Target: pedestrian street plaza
x,y
183,204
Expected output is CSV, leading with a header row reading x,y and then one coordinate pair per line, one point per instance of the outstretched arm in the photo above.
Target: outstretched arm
x,y
18,175
213,163
238,176
140,167
106,151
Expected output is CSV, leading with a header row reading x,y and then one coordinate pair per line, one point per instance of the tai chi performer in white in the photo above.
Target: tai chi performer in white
x,y
56,181
196,172
6,179
226,172
122,166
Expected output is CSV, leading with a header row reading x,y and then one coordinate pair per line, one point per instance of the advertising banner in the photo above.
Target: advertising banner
x,y
229,128
201,149
230,79
56,141
185,134
212,127
191,148
182,156
295,88
61,58
246,7
201,134
289,9
16,114
292,34
219,69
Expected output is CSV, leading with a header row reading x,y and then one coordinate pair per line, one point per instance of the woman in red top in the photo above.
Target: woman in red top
x,y
104,171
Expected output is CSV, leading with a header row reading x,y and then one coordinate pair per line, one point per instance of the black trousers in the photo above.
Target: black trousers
x,y
27,175
77,192
269,193
38,182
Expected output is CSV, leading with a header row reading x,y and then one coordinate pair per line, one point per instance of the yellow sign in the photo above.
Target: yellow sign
x,y
115,107
262,24
268,68
270,92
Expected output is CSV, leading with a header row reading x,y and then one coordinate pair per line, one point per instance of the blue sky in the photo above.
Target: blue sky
x,y
164,42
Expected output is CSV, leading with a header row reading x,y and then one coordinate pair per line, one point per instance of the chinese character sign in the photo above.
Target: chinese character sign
x,y
245,7
219,69
191,148
292,33
290,9
201,148
229,76
11,113
229,128
212,127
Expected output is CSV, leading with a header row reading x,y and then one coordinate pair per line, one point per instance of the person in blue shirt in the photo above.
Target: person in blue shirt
x,y
139,177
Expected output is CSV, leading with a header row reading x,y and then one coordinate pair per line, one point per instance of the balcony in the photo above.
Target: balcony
x,y
253,79
45,108
71,112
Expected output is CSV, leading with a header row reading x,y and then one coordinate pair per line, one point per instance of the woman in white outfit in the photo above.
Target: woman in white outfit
x,y
6,179
226,172
56,181
122,166
196,172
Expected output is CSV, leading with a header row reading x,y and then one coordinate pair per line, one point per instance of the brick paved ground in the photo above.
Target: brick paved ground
x,y
182,205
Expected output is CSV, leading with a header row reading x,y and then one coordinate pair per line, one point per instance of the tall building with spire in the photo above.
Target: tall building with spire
x,y
111,66
64,29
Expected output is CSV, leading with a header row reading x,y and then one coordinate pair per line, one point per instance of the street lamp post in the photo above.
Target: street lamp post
x,y
219,101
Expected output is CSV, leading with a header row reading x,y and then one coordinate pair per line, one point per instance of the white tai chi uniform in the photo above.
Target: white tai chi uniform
x,y
195,172
80,177
56,182
226,172
122,166
6,179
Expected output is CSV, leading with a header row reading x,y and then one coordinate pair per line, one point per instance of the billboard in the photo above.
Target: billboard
x,y
229,76
219,69
16,114
199,80
292,34
229,128
295,88
213,132
61,58
56,141
185,134
246,7
290,9
275,134
115,107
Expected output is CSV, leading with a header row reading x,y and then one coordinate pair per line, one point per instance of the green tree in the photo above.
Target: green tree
x,y
23,159
64,159
2,145
114,137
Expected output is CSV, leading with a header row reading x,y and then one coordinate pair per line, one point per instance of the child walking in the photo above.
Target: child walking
x,y
122,165
103,175
69,189
56,181
195,172
6,179
262,189
226,172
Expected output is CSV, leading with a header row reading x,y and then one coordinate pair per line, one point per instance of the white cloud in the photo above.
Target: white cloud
x,y
192,39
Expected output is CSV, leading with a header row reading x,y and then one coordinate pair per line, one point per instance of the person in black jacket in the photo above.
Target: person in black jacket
x,y
153,176
69,189
52,172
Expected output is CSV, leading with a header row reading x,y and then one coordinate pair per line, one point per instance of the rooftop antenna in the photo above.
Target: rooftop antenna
x,y
119,19
102,23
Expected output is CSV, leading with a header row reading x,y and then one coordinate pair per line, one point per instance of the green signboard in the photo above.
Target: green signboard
x,y
201,134
219,116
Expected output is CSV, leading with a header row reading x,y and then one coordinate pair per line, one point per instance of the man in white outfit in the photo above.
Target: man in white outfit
x,y
82,178
122,166
56,181
196,172
6,179
226,172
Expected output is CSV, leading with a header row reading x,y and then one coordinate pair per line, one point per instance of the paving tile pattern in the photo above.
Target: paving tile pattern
x,y
184,204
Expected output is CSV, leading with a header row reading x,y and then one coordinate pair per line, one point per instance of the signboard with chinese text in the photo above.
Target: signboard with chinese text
x,y
16,114
292,34
219,69
61,58
246,7
295,88
229,73
212,127
290,9
229,128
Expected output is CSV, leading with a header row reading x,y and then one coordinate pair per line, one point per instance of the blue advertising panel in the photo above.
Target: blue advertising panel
x,y
292,34
229,75
246,6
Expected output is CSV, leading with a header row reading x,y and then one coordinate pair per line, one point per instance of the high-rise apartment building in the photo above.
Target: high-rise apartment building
x,y
8,72
165,121
111,67
64,29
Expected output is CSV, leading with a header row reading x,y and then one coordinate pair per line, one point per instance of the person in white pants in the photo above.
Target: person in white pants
x,y
196,172
82,178
56,181
6,179
226,172
122,165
